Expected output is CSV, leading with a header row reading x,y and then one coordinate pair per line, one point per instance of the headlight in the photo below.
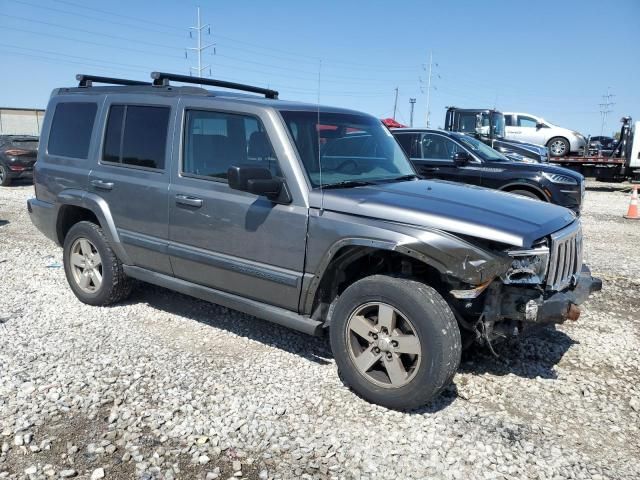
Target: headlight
x,y
559,178
529,267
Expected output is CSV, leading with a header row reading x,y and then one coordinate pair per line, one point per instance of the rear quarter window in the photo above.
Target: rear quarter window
x,y
71,128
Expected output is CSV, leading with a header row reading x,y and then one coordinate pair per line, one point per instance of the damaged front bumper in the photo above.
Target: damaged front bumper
x,y
532,306
509,309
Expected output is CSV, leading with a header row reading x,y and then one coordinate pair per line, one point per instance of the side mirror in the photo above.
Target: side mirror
x,y
539,125
259,181
461,158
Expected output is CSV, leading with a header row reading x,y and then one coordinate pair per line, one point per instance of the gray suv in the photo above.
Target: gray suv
x,y
308,216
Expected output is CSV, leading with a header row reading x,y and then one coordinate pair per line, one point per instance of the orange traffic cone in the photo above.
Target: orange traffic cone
x,y
632,213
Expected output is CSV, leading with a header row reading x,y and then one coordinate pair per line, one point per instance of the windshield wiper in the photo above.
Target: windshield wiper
x,y
349,184
411,176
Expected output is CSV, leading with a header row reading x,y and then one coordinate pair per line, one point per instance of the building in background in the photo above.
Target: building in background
x,y
20,121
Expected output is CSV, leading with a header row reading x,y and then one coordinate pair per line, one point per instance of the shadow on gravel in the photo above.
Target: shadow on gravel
x,y
3,222
623,187
531,357
315,349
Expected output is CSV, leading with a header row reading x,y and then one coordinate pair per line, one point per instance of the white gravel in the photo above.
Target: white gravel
x,y
165,386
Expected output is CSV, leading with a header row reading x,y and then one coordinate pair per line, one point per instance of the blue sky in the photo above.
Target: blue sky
x,y
551,58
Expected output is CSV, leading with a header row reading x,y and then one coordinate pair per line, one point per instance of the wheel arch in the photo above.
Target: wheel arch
x,y
510,187
351,260
77,205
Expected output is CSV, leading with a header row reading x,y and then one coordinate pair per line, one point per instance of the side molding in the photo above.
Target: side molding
x,y
267,312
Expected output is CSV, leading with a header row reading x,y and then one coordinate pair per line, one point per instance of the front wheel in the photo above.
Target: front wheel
x,y
396,341
525,193
558,147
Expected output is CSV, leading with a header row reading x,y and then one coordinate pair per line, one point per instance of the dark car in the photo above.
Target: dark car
x,y
461,158
602,144
17,155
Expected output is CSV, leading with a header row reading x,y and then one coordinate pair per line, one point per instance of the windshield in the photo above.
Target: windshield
x,y
481,150
348,147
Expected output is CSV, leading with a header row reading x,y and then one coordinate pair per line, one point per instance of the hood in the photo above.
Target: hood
x,y
529,150
452,207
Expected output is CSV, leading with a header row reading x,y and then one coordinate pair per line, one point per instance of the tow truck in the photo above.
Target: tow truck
x,y
622,163
487,125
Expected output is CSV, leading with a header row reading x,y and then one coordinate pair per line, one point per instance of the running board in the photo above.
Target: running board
x,y
278,315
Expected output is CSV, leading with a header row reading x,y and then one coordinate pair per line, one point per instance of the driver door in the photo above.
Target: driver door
x,y
436,160
226,239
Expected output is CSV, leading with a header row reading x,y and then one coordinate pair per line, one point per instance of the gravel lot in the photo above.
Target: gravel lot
x,y
166,386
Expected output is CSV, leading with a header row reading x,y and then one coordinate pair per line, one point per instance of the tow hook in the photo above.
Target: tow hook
x,y
573,312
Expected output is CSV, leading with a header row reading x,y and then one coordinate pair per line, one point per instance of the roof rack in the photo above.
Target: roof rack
x,y
162,79
87,80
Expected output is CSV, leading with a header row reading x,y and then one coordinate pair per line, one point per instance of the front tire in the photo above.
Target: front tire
x,y
395,341
558,147
93,271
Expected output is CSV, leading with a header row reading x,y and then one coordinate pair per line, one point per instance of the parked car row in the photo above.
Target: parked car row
x,y
308,216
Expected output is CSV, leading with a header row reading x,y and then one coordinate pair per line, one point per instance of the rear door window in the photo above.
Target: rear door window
x,y
136,135
71,128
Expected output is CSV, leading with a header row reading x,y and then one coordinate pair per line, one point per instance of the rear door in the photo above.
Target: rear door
x,y
226,239
132,175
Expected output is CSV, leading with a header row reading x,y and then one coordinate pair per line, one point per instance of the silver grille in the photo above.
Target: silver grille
x,y
565,260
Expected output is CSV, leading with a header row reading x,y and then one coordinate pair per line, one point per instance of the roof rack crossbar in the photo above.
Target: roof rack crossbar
x,y
87,80
162,79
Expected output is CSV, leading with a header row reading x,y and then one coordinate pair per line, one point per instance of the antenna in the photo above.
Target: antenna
x,y
318,137
200,48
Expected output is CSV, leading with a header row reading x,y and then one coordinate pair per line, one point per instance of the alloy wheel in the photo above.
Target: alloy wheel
x,y
383,345
558,147
86,265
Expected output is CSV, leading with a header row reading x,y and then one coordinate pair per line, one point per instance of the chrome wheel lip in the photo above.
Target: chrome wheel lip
x,y
85,264
385,348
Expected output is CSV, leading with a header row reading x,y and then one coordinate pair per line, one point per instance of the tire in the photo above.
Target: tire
x,y
526,193
418,309
101,281
558,147
5,179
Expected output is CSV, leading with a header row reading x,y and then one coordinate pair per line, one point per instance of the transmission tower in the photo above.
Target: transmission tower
x,y
605,108
200,48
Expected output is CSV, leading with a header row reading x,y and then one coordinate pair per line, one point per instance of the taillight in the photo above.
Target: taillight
x,y
16,152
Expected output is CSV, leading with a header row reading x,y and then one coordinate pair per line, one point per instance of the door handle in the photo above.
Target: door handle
x,y
189,201
102,185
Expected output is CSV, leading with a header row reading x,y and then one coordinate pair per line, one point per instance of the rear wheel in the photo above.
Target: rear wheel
x,y
558,146
5,179
93,271
395,341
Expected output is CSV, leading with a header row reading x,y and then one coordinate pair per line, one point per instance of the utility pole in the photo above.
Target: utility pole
x,y
605,108
200,48
412,102
395,104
